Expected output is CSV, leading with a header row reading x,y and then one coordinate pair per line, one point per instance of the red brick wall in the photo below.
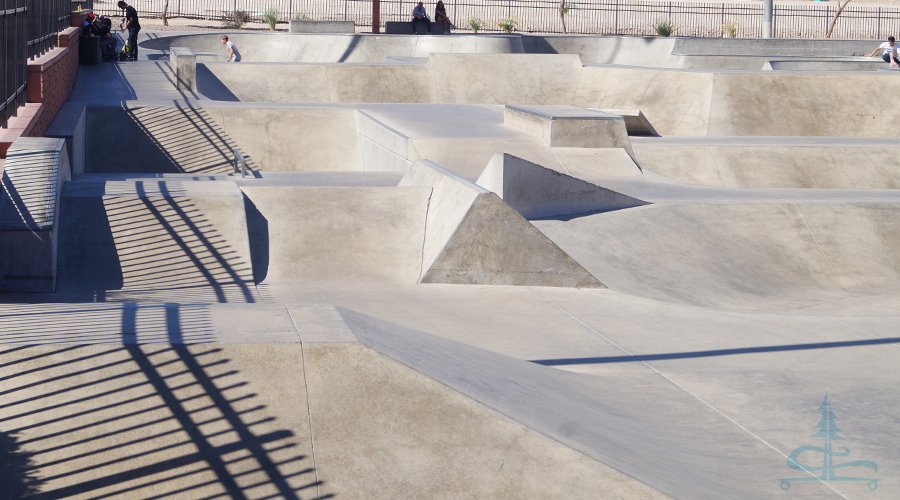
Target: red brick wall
x,y
51,78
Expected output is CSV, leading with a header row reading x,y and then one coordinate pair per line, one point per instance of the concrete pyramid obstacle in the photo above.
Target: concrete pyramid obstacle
x,y
472,237
536,191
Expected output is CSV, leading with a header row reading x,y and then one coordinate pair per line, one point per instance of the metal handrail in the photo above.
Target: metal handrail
x,y
234,163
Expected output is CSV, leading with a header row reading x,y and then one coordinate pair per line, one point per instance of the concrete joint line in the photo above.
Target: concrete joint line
x,y
422,262
562,164
827,261
312,443
676,384
716,162
860,331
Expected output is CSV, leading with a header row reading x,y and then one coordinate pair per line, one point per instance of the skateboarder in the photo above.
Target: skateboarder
x,y
890,52
233,54
133,26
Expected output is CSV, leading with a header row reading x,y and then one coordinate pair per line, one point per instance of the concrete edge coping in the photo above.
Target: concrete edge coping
x,y
551,113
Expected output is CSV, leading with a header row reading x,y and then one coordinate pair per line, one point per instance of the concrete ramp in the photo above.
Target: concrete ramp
x,y
650,430
338,235
774,256
472,237
535,191
151,240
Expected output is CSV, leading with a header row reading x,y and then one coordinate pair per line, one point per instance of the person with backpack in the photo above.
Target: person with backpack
x,y
133,26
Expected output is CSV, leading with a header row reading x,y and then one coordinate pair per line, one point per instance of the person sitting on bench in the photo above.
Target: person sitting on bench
x,y
440,16
419,16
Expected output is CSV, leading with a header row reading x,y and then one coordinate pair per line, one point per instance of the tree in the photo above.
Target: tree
x,y
166,11
834,20
564,8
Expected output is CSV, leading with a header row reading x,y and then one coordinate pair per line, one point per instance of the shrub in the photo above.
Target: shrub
x,y
271,18
235,19
730,29
509,24
300,16
476,24
664,27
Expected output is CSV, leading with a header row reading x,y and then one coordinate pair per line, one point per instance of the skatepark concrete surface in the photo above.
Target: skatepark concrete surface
x,y
462,266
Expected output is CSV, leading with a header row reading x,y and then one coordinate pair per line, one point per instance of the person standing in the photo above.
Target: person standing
x,y
440,16
890,51
419,16
133,26
233,54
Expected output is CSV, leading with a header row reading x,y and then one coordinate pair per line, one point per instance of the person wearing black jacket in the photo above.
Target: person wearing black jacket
x,y
133,26
108,43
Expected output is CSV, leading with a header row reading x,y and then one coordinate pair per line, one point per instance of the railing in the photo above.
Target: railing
x,y
239,159
616,17
29,29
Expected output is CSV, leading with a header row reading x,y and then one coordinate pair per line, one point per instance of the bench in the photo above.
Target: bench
x,y
405,28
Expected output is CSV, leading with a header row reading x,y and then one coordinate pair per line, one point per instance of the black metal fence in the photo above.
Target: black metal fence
x,y
621,17
29,29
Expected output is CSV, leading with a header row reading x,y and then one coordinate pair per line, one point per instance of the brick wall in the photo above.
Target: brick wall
x,y
51,78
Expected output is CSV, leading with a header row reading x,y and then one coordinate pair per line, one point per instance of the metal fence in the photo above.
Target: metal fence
x,y
619,17
29,29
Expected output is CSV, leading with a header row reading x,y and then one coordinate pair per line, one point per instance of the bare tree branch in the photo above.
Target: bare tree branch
x,y
834,20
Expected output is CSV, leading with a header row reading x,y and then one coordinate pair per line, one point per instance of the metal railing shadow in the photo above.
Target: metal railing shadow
x,y
169,420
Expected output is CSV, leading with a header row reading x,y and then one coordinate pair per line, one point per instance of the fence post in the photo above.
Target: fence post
x,y
879,24
722,27
617,17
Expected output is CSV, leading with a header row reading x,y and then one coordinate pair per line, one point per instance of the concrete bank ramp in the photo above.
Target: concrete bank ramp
x,y
170,139
339,235
656,433
775,256
155,240
764,162
335,48
472,237
446,78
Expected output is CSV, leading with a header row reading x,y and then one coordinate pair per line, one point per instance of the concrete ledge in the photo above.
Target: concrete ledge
x,y
183,63
322,27
69,125
35,171
569,126
406,28
635,121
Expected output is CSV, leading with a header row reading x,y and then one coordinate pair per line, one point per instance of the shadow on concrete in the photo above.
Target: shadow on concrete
x,y
209,86
123,139
711,353
141,421
258,232
149,246
18,479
